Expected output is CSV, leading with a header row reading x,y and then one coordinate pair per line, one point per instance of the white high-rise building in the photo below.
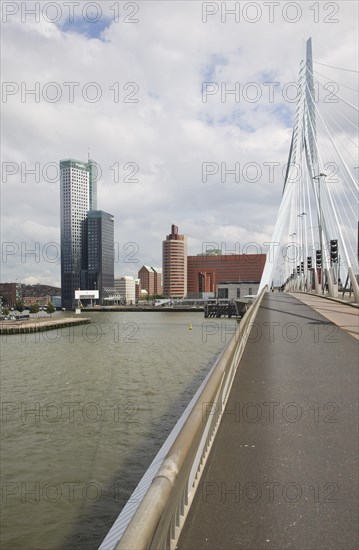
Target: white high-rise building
x,y
78,196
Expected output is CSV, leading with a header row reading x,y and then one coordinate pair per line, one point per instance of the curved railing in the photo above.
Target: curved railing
x,y
157,522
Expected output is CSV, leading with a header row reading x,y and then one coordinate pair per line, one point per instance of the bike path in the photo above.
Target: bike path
x,y
282,472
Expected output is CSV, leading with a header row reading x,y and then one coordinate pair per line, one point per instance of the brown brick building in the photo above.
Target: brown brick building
x,y
151,280
204,272
11,293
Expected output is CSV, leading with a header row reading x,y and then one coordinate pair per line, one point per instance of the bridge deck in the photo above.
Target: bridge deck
x,y
282,469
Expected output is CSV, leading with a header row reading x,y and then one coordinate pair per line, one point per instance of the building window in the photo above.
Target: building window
x,y
250,291
223,293
238,292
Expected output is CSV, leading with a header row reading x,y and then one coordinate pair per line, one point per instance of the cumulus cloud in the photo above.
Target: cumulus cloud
x,y
145,107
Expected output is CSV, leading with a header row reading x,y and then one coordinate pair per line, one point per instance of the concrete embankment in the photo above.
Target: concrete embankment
x,y
39,325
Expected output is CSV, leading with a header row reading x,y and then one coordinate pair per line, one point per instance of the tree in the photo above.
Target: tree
x,y
34,308
6,312
19,306
50,308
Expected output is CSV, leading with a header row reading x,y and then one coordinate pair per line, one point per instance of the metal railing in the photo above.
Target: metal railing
x,y
329,287
157,522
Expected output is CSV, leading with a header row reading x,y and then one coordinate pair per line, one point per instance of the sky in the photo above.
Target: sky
x,y
144,88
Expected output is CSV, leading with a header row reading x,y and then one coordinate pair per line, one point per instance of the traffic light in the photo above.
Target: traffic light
x,y
309,262
298,269
302,267
318,258
334,251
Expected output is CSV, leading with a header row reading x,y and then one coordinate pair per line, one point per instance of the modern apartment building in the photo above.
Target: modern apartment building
x,y
174,262
98,253
126,288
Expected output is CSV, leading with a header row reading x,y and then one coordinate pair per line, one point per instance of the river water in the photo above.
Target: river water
x,y
85,410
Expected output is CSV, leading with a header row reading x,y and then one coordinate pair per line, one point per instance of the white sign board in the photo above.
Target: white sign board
x,y
93,294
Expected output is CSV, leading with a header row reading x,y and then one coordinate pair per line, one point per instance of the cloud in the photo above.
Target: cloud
x,y
132,93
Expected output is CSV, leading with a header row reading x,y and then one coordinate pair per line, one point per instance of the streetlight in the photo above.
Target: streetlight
x,y
291,236
321,175
304,248
302,232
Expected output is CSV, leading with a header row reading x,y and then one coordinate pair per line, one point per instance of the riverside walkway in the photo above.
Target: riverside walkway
x,y
282,471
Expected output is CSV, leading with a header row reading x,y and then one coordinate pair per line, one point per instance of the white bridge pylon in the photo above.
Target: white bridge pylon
x,y
317,223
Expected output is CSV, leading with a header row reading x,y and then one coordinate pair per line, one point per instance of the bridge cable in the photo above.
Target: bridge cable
x,y
340,156
331,81
333,67
342,99
333,211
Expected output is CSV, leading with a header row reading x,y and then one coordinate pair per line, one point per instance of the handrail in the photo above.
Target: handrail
x,y
157,522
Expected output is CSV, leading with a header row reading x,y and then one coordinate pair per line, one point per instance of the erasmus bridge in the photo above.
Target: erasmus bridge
x,y
266,455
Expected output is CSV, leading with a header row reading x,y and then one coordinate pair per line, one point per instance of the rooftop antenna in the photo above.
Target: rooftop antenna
x,y
88,153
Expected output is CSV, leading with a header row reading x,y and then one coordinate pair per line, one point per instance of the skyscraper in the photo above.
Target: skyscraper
x,y
98,256
174,257
78,195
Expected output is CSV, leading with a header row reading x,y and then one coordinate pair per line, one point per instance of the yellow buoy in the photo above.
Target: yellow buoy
x,y
190,327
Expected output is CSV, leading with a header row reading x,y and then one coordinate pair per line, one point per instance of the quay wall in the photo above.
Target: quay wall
x,y
39,325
